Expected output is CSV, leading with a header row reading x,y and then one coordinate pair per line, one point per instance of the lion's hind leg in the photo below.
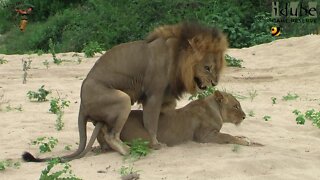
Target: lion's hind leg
x,y
112,107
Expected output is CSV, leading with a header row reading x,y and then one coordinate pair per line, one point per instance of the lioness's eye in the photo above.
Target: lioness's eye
x,y
207,68
236,107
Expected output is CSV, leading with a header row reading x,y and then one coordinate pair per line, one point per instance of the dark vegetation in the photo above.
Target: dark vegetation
x,y
73,24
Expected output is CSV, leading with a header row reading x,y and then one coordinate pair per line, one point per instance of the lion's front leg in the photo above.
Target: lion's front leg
x,y
168,103
151,112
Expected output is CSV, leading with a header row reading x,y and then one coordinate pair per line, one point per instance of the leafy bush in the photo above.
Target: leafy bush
x,y
57,106
3,61
290,96
9,163
46,144
138,148
91,48
310,115
39,96
233,62
266,117
62,171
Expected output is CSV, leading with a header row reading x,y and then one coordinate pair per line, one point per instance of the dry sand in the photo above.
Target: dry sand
x,y
291,151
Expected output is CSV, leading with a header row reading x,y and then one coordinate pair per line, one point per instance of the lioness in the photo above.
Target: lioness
x,y
155,72
199,121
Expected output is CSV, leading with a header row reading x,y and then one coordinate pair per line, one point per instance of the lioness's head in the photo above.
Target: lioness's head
x,y
230,108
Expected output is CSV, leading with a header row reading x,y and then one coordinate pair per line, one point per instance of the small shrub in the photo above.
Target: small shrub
x,y
17,108
253,94
91,48
138,148
251,113
3,61
233,62
57,106
9,163
199,95
266,118
310,115
46,144
290,96
128,173
314,117
62,171
46,63
56,60
68,147
40,52
273,99
235,148
26,65
39,96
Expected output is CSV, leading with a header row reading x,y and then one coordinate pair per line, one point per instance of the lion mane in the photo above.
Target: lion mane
x,y
192,41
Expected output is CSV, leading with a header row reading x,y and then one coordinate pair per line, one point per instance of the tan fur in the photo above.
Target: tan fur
x,y
155,72
199,121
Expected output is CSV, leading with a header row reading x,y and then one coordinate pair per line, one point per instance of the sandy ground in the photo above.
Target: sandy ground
x,y
291,151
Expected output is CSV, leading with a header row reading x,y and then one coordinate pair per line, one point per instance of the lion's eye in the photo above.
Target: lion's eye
x,y
207,68
236,107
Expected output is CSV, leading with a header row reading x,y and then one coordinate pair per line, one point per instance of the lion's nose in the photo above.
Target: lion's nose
x,y
244,116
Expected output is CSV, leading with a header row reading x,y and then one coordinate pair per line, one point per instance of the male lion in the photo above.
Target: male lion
x,y
155,72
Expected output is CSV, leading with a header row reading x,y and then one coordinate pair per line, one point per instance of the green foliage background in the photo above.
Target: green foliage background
x,y
72,24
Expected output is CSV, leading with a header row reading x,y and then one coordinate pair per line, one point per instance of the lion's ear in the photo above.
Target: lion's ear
x,y
218,96
194,42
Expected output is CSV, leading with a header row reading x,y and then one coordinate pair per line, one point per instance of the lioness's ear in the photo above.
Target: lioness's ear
x,y
218,96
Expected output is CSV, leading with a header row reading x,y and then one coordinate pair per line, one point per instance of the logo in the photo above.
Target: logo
x,y
294,12
275,31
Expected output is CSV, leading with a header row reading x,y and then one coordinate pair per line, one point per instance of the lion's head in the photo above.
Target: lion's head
x,y
199,54
230,108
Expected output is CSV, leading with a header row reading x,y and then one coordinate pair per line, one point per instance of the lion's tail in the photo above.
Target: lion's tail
x,y
81,151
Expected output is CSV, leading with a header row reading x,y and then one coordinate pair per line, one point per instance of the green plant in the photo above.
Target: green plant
x,y
46,144
3,61
17,108
62,171
251,113
26,65
266,118
199,95
290,96
68,147
56,60
273,99
9,163
235,148
40,52
138,148
314,117
252,94
91,48
57,106
39,96
46,63
233,62
79,60
128,173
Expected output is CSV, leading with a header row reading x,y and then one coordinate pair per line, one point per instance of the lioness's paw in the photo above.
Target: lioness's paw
x,y
158,146
256,144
